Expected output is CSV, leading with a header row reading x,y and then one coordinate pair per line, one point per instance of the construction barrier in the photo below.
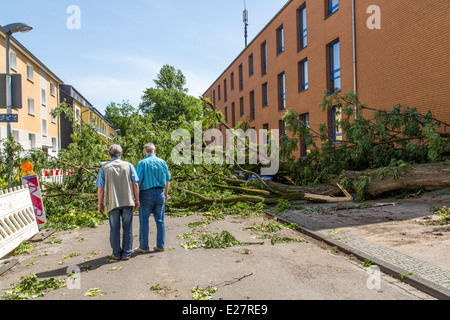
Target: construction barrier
x,y
54,176
17,218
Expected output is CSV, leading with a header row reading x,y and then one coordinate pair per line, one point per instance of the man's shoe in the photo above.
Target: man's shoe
x,y
159,249
126,258
139,250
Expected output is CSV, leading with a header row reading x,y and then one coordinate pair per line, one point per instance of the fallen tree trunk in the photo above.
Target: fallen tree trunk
x,y
430,176
321,189
266,199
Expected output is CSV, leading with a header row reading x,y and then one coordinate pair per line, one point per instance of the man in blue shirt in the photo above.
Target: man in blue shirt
x,y
118,194
154,182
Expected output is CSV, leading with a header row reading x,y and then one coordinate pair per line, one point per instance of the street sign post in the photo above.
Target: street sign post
x,y
9,118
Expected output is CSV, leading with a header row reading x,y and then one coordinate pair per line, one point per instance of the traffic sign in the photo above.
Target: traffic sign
x,y
9,118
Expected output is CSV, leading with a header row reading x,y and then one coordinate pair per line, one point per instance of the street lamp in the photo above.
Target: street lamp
x,y
9,30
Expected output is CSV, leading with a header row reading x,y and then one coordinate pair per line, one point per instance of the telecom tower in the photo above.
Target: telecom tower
x,y
245,15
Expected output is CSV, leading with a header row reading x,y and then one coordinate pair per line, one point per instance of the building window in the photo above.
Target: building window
x,y
218,91
282,129
280,40
54,145
13,60
53,119
250,65
225,93
43,97
336,131
241,78
332,6
241,106
44,128
32,139
303,75
232,81
30,72
226,115
304,149
334,67
282,91
302,31
31,106
233,115
52,89
266,127
214,97
264,58
265,95
252,106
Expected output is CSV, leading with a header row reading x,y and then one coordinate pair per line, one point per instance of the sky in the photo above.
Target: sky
x,y
118,47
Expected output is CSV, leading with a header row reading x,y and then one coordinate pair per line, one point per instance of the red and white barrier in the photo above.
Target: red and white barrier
x,y
54,176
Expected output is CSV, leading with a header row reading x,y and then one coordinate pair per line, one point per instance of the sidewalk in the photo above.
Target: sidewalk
x,y
344,232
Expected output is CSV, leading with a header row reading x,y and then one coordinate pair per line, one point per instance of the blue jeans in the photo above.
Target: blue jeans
x,y
151,201
115,215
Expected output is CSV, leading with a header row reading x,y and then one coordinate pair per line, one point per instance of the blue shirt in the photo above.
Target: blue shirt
x,y
100,183
152,173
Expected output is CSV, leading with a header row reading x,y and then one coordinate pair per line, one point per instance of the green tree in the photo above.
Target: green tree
x,y
169,99
120,114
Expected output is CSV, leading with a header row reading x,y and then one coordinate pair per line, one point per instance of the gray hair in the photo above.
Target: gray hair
x,y
115,151
149,148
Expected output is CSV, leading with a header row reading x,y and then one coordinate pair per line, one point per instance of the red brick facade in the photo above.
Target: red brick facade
x,y
406,61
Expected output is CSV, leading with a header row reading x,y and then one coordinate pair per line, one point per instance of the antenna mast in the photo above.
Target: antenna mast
x,y
245,16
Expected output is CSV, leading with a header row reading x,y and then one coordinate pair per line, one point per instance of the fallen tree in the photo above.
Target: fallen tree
x,y
427,176
379,154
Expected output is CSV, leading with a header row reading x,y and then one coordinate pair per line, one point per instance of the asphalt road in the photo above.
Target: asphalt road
x,y
303,270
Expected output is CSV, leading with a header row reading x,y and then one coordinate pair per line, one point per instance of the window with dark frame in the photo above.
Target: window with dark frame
x,y
336,132
264,58
241,106
252,106
304,118
302,29
241,78
282,91
225,93
280,40
232,81
303,75
334,67
233,115
226,115
250,65
265,95
332,6
282,128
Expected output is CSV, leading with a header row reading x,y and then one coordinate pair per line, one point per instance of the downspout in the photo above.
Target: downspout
x,y
354,54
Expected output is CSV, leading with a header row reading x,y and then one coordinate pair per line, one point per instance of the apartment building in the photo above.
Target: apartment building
x,y
396,52
84,112
40,95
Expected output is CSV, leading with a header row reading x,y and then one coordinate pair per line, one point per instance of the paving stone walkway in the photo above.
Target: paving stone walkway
x,y
421,274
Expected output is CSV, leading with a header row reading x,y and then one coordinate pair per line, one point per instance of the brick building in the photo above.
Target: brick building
x,y
394,53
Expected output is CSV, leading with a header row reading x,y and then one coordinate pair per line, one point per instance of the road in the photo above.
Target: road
x,y
305,269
